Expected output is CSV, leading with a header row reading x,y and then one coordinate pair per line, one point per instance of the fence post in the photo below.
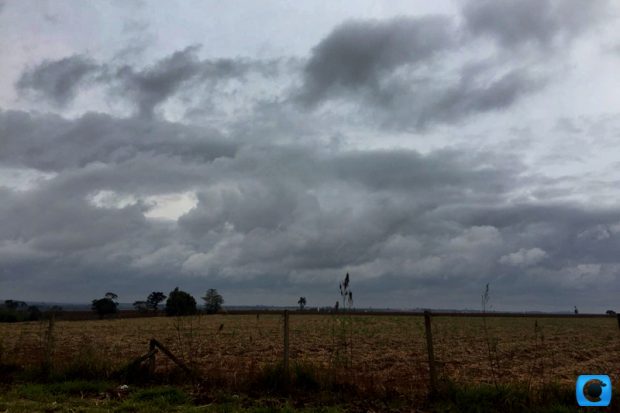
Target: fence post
x,y
286,349
152,350
431,354
618,316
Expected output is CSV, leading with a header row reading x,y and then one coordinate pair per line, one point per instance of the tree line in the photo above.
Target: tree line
x,y
177,303
12,311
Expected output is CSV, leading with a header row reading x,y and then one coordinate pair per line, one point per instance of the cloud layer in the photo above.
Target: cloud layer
x,y
269,178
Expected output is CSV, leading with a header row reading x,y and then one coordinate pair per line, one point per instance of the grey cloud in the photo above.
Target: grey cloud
x,y
470,95
330,222
52,143
59,80
282,210
287,216
408,73
357,54
153,85
568,233
540,23
398,105
441,170
58,223
524,257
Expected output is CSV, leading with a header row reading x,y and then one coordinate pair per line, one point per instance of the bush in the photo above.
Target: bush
x,y
86,364
180,303
13,313
504,398
8,316
302,377
34,314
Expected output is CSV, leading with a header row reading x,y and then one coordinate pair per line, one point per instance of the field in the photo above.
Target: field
x,y
387,351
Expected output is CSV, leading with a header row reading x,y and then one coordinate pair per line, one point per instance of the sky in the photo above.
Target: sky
x,y
268,148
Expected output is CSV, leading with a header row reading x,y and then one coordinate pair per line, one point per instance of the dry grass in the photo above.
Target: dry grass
x,y
389,350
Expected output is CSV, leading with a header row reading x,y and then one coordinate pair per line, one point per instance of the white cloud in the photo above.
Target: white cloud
x,y
524,257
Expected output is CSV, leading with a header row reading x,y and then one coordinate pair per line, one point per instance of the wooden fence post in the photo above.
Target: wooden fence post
x,y
431,354
286,349
154,343
618,316
152,351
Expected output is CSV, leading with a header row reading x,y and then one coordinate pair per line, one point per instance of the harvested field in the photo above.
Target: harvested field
x,y
389,351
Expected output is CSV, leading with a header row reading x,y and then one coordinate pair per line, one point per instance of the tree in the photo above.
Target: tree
x,y
140,306
54,311
301,302
106,305
15,305
180,303
34,314
13,311
153,300
213,301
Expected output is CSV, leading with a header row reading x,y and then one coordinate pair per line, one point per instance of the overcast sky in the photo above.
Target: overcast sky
x,y
267,148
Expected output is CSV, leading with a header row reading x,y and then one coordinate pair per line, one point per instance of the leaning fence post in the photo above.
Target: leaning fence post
x,y
152,351
431,355
286,350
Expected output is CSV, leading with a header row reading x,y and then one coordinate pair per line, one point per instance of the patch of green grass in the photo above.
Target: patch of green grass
x,y
61,390
99,396
512,398
161,395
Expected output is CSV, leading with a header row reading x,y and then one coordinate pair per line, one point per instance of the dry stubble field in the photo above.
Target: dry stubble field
x,y
389,350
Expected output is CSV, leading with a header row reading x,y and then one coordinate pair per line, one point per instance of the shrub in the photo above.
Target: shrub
x,y
180,303
8,316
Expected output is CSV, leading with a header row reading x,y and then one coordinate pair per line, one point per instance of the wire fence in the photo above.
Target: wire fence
x,y
391,351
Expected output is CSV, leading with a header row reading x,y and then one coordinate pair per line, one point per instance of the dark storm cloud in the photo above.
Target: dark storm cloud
x,y
471,93
283,216
153,85
407,73
532,22
262,212
52,221
410,171
280,209
147,87
59,80
358,54
568,232
52,143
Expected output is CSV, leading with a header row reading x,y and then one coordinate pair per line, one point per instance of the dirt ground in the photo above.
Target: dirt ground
x,y
390,351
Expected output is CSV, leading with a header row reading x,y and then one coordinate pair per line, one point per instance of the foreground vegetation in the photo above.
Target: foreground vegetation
x,y
502,364
106,396
389,350
101,396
